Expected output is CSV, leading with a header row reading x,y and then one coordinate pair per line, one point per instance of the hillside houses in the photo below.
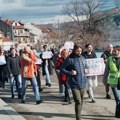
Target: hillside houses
x,y
20,34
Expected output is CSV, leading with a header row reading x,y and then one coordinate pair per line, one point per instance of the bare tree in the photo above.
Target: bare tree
x,y
79,10
84,14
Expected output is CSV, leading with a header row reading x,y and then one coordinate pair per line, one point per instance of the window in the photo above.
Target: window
x,y
21,30
24,39
15,24
15,31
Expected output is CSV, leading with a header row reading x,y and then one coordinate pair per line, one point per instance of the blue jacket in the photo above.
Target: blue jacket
x,y
77,63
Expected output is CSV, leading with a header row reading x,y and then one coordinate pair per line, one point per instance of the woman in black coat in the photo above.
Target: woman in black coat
x,y
3,68
47,68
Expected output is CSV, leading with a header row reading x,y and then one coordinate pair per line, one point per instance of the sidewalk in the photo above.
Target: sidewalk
x,y
8,113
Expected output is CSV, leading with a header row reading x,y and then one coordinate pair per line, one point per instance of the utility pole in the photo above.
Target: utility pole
x,y
13,36
59,32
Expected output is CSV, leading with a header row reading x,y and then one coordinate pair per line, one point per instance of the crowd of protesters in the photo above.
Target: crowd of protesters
x,y
71,69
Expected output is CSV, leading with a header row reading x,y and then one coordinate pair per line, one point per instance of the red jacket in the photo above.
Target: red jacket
x,y
63,77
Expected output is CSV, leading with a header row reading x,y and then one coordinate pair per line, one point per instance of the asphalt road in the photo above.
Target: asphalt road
x,y
54,109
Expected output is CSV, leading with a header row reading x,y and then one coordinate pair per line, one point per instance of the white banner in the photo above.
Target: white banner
x,y
2,60
7,47
96,66
47,55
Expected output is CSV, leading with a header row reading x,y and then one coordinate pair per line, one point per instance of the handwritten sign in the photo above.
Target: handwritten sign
x,y
6,48
96,66
2,60
47,55
69,45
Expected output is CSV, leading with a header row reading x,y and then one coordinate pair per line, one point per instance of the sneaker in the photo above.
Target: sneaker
x,y
48,84
40,89
65,100
69,102
19,96
12,96
93,101
62,94
23,101
117,116
108,96
39,102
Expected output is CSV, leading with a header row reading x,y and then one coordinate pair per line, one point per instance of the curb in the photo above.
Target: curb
x,y
8,113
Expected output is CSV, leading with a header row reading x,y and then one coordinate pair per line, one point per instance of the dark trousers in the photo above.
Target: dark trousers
x,y
78,95
107,87
67,92
116,94
2,80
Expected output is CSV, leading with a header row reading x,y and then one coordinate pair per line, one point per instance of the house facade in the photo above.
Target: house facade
x,y
6,29
21,34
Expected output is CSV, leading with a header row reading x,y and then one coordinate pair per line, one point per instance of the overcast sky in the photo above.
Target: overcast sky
x,y
37,11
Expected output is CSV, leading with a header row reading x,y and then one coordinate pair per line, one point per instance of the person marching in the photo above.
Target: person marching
x,y
3,68
74,67
47,68
92,80
28,69
112,76
14,70
62,77
105,56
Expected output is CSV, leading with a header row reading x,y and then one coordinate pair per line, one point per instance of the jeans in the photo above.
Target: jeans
x,y
19,84
47,74
61,86
116,94
34,85
38,78
78,99
92,82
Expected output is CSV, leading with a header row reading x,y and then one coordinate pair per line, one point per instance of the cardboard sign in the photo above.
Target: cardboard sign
x,y
47,55
2,60
6,48
96,66
69,45
38,62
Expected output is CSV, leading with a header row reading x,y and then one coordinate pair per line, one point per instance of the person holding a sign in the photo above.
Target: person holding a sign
x,y
3,67
74,67
92,80
47,68
37,66
112,77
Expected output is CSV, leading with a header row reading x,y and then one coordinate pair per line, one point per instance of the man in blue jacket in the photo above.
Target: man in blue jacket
x,y
74,66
